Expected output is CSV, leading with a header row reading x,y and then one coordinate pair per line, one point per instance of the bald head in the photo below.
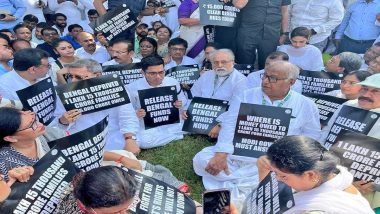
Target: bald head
x,y
87,41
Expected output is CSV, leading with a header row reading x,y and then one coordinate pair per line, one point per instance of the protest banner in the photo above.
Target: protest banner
x,y
184,74
202,114
215,12
127,72
93,94
85,148
271,196
353,119
360,154
167,3
257,127
209,31
326,104
244,68
41,99
319,82
115,22
42,192
158,104
158,197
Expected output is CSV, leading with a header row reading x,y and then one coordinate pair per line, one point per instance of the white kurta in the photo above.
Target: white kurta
x,y
113,62
330,197
244,174
31,8
122,119
100,55
206,86
374,132
161,135
10,83
254,80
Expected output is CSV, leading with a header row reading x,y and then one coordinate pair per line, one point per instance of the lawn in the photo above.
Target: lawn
x,y
177,156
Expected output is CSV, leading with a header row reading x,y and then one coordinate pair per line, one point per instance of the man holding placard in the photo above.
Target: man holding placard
x,y
154,77
369,99
123,123
227,81
219,167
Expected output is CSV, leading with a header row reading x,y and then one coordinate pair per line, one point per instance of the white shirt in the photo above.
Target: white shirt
x,y
65,31
113,62
321,15
304,121
10,83
100,55
142,84
307,58
374,132
31,8
75,13
227,89
254,80
185,61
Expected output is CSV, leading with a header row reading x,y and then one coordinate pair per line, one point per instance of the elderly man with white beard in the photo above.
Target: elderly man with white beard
x,y
223,82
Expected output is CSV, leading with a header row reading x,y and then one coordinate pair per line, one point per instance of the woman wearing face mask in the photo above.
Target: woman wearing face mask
x,y
318,182
305,56
348,87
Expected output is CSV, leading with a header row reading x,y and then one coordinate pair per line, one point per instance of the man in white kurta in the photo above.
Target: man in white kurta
x,y
122,122
90,50
177,50
216,164
154,76
122,53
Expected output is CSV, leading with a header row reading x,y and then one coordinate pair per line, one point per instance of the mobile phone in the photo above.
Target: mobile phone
x,y
216,201
2,16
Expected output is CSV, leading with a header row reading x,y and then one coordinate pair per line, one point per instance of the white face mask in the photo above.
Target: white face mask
x,y
221,72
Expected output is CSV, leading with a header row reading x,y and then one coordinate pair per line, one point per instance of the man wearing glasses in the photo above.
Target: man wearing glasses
x,y
216,164
49,35
154,76
122,53
177,51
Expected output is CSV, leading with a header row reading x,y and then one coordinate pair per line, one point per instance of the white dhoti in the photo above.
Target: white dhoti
x,y
241,181
159,136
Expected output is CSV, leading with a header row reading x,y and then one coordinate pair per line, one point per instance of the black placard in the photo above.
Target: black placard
x,y
327,105
184,74
41,99
215,12
319,82
360,154
202,114
257,127
271,196
127,72
353,119
244,68
158,104
159,197
115,22
167,3
93,94
42,193
85,148
209,31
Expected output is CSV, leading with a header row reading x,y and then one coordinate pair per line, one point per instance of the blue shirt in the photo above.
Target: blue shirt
x,y
15,8
359,21
72,41
3,70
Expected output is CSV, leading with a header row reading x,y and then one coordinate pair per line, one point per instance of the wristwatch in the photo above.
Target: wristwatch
x,y
131,137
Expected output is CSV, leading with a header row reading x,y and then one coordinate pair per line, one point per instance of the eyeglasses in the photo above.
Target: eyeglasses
x,y
223,62
349,83
74,76
271,79
50,34
119,52
43,65
160,73
374,91
33,124
178,49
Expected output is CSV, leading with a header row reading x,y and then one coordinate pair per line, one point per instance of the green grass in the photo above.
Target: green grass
x,y
177,156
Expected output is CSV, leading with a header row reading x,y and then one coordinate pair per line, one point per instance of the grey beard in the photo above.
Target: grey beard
x,y
222,73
